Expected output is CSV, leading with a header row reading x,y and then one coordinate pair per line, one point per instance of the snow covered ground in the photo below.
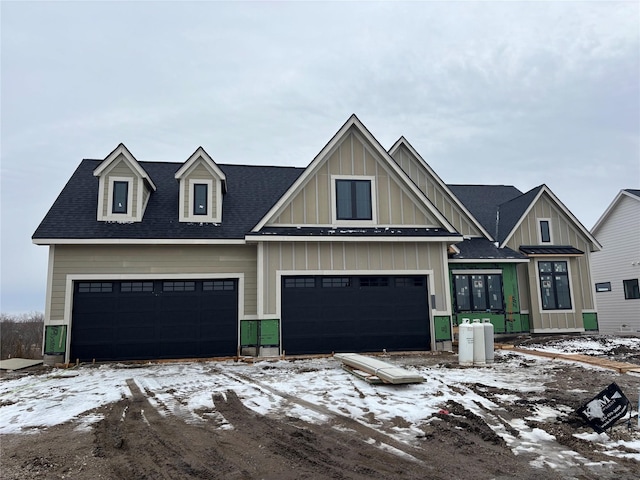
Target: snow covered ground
x,y
30,403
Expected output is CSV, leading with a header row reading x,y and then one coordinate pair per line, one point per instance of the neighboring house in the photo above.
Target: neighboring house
x,y
363,250
616,268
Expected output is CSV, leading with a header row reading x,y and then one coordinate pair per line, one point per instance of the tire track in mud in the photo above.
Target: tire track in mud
x,y
139,442
338,420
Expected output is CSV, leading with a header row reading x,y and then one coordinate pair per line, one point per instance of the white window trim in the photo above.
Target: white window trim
x,y
117,217
539,289
190,186
539,232
334,205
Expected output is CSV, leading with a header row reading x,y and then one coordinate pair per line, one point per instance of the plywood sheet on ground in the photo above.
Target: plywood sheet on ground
x,y
18,363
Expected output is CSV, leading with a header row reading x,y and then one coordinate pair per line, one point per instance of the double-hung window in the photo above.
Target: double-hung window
x,y
353,199
120,197
554,285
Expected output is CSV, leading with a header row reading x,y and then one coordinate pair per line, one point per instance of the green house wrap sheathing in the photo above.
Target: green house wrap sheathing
x,y
442,327
511,321
590,321
260,333
55,339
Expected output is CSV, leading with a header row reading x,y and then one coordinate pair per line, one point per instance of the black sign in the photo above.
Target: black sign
x,y
605,409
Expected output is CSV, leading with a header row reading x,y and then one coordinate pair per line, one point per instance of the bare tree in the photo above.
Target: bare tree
x,y
21,335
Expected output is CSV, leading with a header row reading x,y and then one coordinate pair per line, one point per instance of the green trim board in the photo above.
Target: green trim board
x,y
590,321
442,327
55,339
262,333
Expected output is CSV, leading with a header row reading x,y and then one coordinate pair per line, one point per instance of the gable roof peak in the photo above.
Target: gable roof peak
x,y
403,142
201,153
352,122
121,149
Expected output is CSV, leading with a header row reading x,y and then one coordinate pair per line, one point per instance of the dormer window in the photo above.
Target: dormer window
x,y
200,198
120,197
124,187
353,199
202,185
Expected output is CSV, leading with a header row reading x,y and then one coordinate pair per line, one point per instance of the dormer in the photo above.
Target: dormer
x,y
202,184
124,188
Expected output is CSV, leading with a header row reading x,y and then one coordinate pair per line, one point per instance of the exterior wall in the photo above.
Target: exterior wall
x,y
395,205
144,260
434,192
618,260
200,172
330,258
563,232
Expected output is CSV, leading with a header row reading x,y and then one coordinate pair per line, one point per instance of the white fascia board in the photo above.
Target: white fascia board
x,y
564,209
403,141
344,238
137,241
209,163
611,206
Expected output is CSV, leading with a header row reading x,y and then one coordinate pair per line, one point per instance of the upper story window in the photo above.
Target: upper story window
x,y
631,289
544,230
353,199
200,198
554,285
120,197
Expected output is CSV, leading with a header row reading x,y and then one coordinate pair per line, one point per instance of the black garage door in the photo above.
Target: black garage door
x,y
128,320
354,314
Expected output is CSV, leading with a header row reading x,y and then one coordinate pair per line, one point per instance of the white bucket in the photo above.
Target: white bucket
x,y
478,343
488,340
465,342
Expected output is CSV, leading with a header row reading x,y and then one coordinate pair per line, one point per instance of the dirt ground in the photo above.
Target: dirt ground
x,y
134,441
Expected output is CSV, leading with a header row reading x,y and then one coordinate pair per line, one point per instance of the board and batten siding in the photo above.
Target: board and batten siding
x,y
434,192
361,258
563,233
395,205
120,169
200,172
160,260
619,260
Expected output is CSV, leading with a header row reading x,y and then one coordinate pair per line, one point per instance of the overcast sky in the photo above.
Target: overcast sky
x,y
487,92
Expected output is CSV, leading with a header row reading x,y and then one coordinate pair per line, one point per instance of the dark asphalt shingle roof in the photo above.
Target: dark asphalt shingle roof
x,y
483,201
481,248
511,212
633,192
251,192
497,207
